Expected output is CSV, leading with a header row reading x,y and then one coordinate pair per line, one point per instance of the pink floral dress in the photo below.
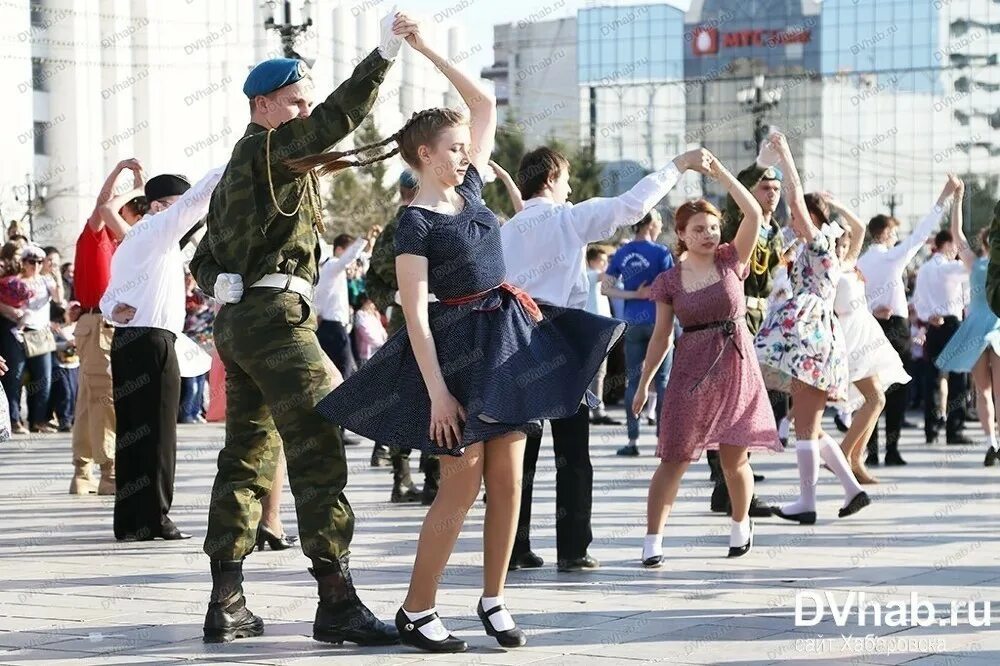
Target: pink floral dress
x,y
802,339
715,394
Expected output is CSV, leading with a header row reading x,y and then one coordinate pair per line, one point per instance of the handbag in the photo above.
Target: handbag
x,y
37,343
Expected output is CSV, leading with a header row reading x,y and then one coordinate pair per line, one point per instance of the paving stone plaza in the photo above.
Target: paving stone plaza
x,y
70,594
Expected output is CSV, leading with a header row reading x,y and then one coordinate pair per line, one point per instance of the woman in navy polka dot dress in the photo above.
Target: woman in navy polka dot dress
x,y
476,370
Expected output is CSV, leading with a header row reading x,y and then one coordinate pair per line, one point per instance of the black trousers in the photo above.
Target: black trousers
x,y
897,331
954,416
574,487
147,390
336,344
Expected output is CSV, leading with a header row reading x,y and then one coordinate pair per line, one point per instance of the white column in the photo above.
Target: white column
x,y
118,126
17,142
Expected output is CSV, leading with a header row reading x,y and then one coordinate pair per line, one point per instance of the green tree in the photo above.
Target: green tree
x,y
507,152
359,197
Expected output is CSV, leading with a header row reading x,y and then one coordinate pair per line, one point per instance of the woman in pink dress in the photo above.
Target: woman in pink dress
x,y
715,398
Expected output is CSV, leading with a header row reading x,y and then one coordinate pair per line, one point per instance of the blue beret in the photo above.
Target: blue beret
x,y
272,74
407,179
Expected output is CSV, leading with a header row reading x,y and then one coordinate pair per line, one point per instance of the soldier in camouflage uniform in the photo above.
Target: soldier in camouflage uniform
x,y
765,184
993,272
264,226
381,287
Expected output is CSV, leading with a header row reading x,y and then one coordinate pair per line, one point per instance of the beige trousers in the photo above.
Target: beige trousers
x,y
94,424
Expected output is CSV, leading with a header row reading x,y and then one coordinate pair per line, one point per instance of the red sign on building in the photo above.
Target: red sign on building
x,y
706,40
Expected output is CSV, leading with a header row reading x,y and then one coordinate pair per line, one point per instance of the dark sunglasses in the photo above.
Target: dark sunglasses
x,y
33,261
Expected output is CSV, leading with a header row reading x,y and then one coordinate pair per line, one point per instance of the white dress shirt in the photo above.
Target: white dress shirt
x,y
331,291
940,288
883,266
597,302
147,270
544,245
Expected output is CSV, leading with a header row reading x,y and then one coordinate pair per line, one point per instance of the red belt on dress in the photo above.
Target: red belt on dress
x,y
526,301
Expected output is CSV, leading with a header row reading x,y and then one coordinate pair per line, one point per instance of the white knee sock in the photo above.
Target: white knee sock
x,y
835,460
739,533
783,428
807,452
433,630
991,440
652,546
501,620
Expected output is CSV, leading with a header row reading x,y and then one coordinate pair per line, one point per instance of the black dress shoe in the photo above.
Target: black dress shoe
x,y
630,450
959,439
508,638
841,426
759,510
605,420
992,456
740,551
802,518
228,617
266,537
526,560
409,634
171,533
585,563
400,496
871,460
893,459
858,502
653,562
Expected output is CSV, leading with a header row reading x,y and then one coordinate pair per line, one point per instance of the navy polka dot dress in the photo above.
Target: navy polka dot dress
x,y
507,370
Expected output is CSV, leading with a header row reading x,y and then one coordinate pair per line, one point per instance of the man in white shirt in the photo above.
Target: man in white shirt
x,y
333,307
544,246
882,267
145,296
939,298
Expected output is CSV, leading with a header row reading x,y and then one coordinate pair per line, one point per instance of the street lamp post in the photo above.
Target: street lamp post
x,y
758,101
289,31
33,193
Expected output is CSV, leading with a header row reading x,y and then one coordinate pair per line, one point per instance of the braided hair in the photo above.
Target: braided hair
x,y
421,129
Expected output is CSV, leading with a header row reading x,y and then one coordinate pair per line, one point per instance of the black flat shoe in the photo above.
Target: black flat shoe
x,y
585,563
893,459
528,560
740,551
654,562
858,502
409,634
627,450
992,456
508,638
605,420
803,518
269,538
758,509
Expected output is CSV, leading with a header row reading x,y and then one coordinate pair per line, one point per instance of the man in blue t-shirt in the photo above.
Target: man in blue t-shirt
x,y
637,264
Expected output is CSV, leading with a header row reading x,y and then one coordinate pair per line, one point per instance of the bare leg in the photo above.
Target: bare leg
x,y
982,377
863,424
270,504
504,457
461,478
808,403
662,494
739,479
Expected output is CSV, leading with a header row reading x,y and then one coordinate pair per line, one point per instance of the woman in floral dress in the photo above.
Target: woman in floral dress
x,y
801,347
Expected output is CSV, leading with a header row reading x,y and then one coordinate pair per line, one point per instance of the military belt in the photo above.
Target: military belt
x,y
286,283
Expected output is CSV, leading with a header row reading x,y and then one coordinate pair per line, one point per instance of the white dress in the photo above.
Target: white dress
x,y
868,350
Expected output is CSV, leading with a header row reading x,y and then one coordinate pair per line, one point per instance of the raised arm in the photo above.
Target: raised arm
x,y
598,218
746,234
95,220
854,225
905,251
184,213
965,252
508,183
482,104
110,216
791,186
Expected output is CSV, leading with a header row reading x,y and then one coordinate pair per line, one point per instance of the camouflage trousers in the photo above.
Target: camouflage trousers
x,y
276,373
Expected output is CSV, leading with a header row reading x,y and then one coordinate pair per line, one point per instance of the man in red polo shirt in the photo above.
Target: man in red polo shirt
x,y
94,425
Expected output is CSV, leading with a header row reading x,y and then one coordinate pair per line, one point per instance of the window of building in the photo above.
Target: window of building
x,y
37,13
38,80
41,142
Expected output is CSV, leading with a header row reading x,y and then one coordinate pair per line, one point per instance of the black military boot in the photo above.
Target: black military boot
x,y
403,490
431,467
340,615
228,617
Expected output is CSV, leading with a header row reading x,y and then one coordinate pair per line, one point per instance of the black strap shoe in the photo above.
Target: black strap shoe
x,y
653,562
802,518
409,634
508,638
340,615
858,502
992,456
740,551
228,617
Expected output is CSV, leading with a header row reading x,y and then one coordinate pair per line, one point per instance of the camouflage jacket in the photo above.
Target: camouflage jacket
x,y
766,253
246,234
380,281
993,271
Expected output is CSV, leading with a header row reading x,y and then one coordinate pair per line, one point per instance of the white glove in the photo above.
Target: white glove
x,y
389,47
768,156
229,288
